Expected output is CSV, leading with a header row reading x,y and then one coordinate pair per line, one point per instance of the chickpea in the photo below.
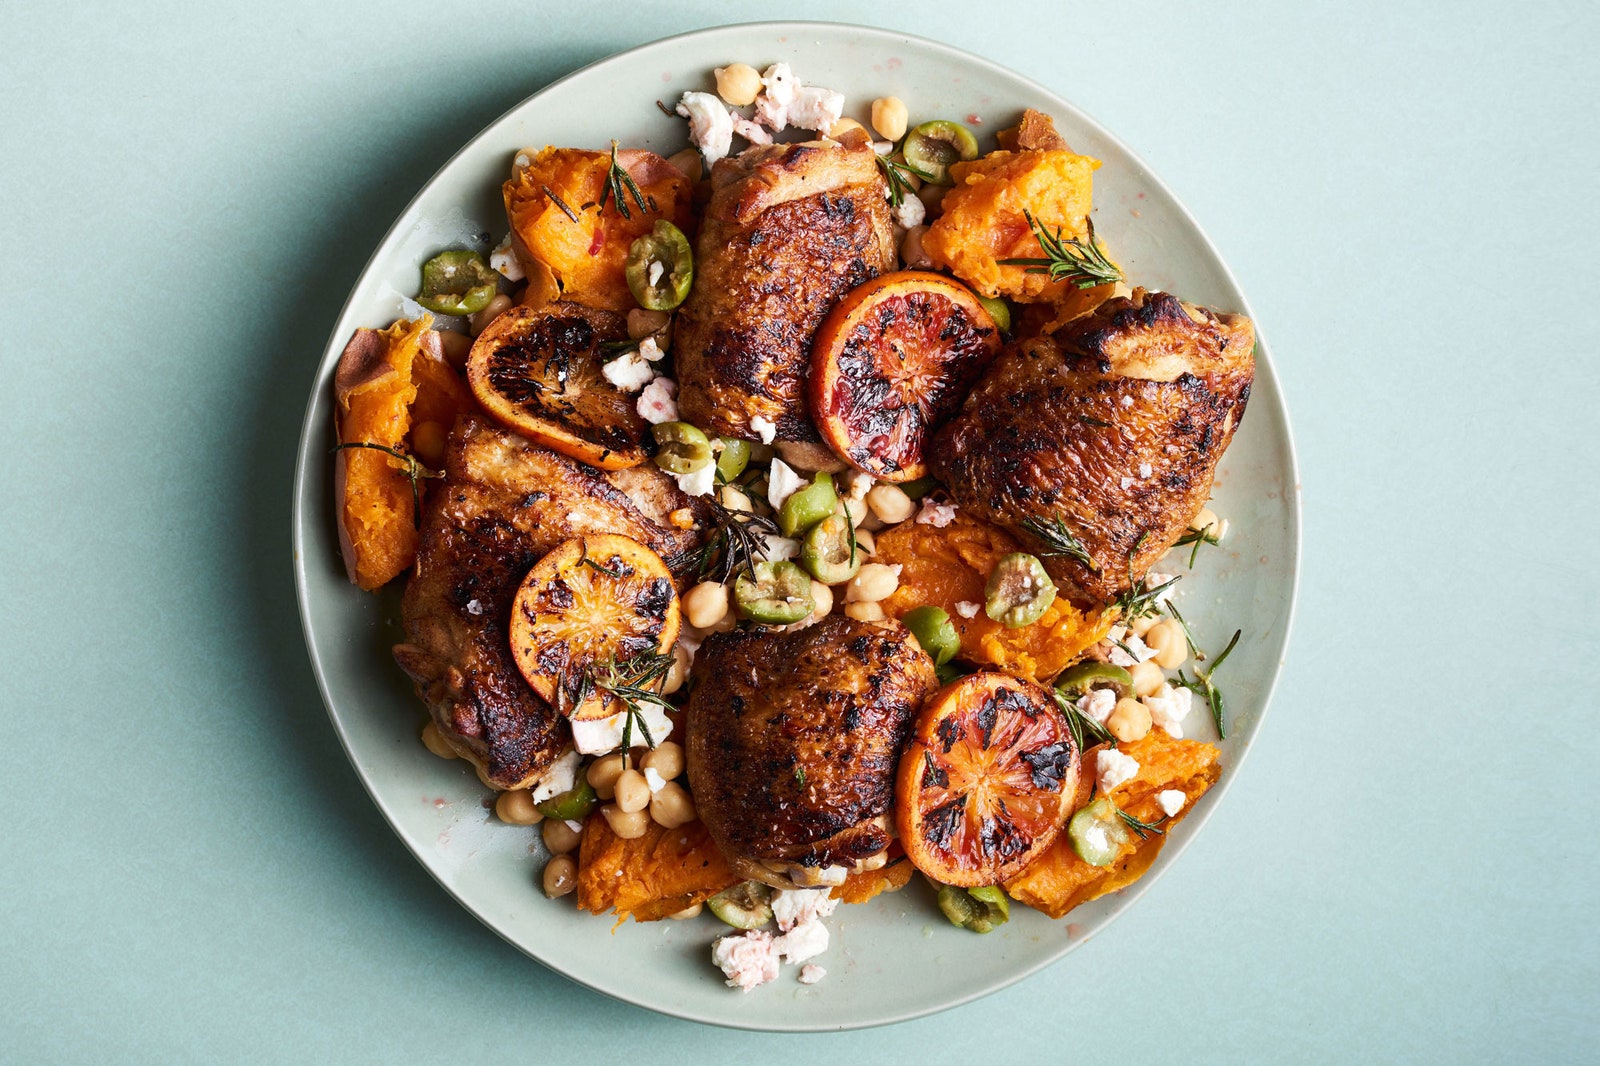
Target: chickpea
x,y
854,509
603,774
1172,651
1129,721
866,541
434,741
456,346
734,498
738,83
889,117
890,503
864,612
559,837
687,913
516,808
1142,625
632,792
822,598
706,604
932,197
629,825
875,582
1147,678
689,163
679,672
912,254
844,126
560,876
644,323
671,806
495,308
1206,522
665,759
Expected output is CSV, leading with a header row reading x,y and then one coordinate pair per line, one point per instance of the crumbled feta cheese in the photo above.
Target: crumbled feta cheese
x,y
574,825
777,93
782,482
937,515
968,608
629,372
1144,470
1127,401
1098,703
650,350
805,941
750,131
710,124
657,268
656,403
599,736
1114,767
811,973
815,108
764,428
562,775
505,261
794,906
699,483
1153,580
653,778
1172,801
833,875
1095,837
910,213
1140,652
746,959
522,159
861,483
1169,707
781,548
475,607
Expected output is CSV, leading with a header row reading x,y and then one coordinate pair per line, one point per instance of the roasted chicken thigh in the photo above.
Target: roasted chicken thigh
x,y
1102,436
793,740
503,504
789,229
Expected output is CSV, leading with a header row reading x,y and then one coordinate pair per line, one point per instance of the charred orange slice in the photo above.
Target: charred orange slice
x,y
592,604
892,361
987,781
538,372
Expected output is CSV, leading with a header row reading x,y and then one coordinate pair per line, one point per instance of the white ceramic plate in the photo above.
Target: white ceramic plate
x,y
895,958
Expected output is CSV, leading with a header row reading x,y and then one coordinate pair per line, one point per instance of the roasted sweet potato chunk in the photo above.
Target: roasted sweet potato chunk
x,y
651,876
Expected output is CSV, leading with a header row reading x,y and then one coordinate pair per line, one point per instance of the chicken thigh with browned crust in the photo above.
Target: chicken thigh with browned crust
x,y
793,740
1097,442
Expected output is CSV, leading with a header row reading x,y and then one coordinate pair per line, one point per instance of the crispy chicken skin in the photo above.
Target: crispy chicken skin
x,y
1113,424
503,504
793,740
788,230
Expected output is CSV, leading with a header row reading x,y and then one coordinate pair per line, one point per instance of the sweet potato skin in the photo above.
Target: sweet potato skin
x,y
651,876
983,220
943,567
1059,880
585,257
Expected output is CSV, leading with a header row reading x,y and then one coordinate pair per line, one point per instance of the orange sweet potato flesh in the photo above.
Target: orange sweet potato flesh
x,y
943,567
1059,880
585,257
858,888
983,220
651,876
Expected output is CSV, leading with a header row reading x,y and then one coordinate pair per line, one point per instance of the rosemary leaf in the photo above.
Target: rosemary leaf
x,y
1084,264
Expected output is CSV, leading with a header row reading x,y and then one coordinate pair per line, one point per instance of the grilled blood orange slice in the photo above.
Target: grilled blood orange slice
x,y
986,782
538,372
893,360
591,602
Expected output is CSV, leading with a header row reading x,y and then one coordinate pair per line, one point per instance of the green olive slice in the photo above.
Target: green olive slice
x,y
830,552
1097,833
1077,680
1019,591
457,282
975,909
660,267
747,905
573,805
732,460
998,310
779,595
681,448
934,631
806,507
933,146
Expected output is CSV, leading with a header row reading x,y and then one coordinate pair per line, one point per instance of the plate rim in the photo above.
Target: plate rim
x,y
1293,534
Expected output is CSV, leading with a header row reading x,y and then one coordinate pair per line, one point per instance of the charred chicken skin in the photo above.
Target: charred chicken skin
x,y
793,740
1106,432
504,503
789,229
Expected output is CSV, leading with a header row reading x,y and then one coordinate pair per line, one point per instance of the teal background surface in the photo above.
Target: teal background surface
x,y
1405,869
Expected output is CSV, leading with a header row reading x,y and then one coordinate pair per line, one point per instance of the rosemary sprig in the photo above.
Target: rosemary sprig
x,y
1202,684
1083,264
737,543
1062,541
1086,732
619,181
850,531
1144,829
1140,599
559,202
896,174
1197,537
633,683
414,471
